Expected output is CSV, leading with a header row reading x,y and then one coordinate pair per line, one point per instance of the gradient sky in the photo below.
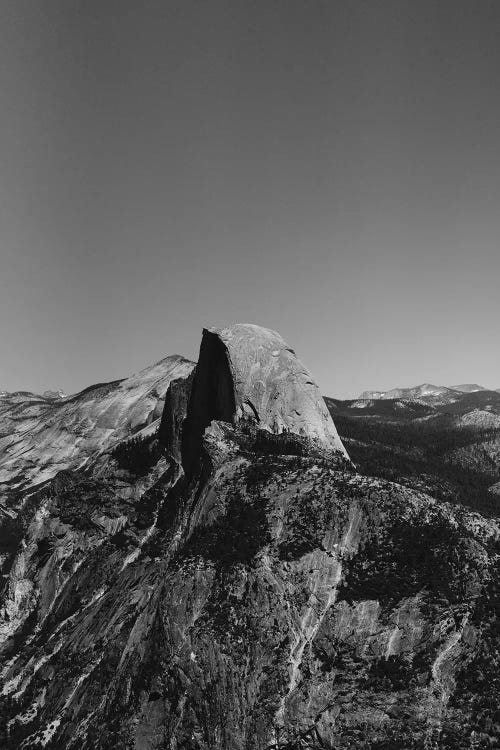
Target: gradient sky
x,y
327,169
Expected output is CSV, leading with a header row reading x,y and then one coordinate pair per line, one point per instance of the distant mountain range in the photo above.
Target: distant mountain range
x,y
442,393
47,395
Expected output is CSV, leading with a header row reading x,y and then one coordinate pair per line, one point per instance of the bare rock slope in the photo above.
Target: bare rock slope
x,y
40,436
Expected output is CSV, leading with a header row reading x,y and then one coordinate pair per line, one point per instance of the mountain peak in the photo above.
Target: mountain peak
x,y
246,372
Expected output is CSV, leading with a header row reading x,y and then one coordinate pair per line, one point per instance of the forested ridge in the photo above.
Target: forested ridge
x,y
424,453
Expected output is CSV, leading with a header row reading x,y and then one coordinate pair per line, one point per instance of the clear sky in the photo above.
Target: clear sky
x,y
329,169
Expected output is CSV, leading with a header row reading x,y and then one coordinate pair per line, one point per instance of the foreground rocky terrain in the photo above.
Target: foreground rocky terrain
x,y
225,578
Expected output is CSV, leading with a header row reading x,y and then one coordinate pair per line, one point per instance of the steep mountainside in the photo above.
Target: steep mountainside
x,y
40,435
255,592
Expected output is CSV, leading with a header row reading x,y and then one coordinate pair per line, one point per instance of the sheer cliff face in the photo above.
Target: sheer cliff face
x,y
267,601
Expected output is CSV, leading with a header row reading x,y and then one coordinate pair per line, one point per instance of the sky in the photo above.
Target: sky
x,y
329,169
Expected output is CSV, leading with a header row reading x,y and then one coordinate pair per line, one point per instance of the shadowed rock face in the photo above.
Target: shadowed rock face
x,y
249,373
174,413
212,397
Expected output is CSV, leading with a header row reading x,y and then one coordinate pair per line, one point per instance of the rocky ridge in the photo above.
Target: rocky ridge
x,y
41,435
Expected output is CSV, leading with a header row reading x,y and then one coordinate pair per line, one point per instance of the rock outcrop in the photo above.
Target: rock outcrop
x,y
174,414
249,373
